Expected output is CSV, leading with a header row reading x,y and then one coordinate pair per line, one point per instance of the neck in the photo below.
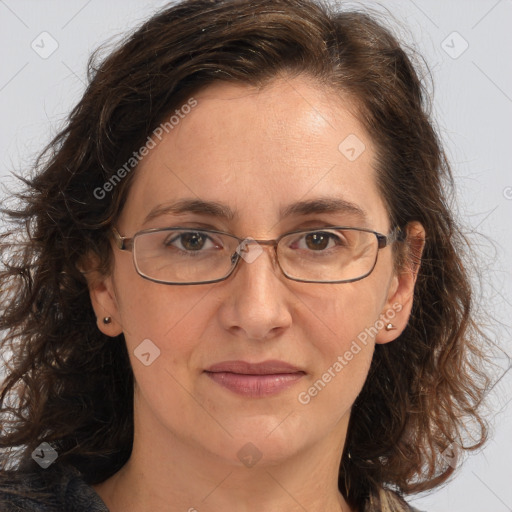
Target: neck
x,y
176,476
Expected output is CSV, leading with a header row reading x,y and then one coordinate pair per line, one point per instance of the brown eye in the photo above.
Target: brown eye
x,y
317,241
193,241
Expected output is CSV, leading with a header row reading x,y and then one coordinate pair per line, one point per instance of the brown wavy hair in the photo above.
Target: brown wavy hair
x,y
71,386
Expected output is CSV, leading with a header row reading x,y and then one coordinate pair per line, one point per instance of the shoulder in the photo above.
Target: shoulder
x,y
56,489
387,500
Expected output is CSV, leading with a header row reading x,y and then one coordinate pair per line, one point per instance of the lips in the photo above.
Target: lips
x,y
255,379
269,367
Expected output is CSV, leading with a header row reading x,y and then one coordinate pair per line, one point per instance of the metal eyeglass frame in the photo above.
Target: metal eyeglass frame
x,y
127,243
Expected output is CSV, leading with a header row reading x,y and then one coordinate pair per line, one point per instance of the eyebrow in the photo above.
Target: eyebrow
x,y
222,211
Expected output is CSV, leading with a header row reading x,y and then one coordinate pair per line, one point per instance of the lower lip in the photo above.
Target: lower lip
x,y
255,385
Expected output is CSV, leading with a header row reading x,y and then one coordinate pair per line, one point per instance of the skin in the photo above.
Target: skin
x,y
256,150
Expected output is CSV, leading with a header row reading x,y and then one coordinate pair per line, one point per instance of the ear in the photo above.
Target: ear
x,y
103,296
398,305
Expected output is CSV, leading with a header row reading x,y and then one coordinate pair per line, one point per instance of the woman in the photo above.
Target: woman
x,y
241,287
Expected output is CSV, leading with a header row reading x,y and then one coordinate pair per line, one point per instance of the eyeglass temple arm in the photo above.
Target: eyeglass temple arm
x,y
396,235
124,243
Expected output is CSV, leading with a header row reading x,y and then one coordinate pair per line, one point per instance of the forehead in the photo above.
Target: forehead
x,y
258,151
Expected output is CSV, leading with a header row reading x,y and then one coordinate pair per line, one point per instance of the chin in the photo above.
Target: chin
x,y
264,441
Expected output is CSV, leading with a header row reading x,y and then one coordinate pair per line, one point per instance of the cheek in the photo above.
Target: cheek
x,y
341,312
162,328
170,317
341,328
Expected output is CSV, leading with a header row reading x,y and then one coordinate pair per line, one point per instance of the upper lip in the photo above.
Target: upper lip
x,y
269,367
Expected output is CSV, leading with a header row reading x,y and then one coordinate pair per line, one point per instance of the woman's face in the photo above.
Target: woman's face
x,y
256,152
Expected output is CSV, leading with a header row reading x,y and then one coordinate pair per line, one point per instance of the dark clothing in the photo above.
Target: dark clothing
x,y
63,490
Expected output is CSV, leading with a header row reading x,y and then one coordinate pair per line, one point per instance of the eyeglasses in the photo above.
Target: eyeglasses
x,y
184,256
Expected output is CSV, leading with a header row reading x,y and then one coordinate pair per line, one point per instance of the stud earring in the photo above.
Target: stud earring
x,y
390,327
107,320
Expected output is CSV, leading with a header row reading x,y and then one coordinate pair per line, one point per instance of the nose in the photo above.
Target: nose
x,y
258,302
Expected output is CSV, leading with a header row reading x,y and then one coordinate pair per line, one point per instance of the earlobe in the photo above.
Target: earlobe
x,y
398,306
105,306
104,302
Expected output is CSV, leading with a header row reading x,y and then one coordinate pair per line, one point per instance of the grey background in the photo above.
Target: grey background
x,y
473,107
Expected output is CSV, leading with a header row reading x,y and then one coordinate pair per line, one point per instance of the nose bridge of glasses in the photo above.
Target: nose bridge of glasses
x,y
249,249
